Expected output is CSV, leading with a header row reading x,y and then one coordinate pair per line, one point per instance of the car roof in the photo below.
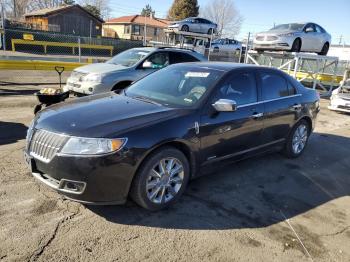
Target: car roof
x,y
227,66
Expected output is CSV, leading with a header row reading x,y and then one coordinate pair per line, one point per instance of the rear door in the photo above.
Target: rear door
x,y
227,134
282,105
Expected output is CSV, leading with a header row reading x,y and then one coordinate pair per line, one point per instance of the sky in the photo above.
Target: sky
x,y
260,15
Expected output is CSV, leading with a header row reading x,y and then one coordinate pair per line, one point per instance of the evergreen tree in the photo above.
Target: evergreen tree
x,y
147,11
182,9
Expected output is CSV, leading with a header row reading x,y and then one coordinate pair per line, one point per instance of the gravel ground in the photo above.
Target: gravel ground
x,y
264,209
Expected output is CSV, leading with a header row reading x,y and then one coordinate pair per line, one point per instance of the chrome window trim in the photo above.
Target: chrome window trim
x,y
267,101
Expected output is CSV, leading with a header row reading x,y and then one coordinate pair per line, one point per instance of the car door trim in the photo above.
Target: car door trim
x,y
215,159
267,101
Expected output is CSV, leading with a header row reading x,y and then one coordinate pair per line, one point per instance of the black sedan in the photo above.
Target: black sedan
x,y
166,129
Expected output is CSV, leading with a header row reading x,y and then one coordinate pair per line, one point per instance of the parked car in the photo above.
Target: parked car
x,y
195,25
125,68
294,37
166,129
340,99
198,45
226,45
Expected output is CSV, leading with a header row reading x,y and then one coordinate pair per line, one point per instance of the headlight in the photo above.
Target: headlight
x,y
97,78
92,146
289,34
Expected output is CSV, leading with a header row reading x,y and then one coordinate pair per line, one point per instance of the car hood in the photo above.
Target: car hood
x,y
100,68
103,115
277,32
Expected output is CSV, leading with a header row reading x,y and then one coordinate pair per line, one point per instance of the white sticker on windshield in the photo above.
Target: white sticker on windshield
x,y
197,74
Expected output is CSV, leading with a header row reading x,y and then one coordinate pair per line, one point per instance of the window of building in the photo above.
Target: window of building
x,y
127,29
136,29
155,32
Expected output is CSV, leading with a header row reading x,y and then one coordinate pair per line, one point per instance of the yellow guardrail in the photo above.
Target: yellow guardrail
x,y
37,65
45,44
323,78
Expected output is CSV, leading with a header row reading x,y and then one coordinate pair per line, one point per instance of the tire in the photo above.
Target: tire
x,y
210,31
185,28
153,189
324,50
37,108
291,149
296,46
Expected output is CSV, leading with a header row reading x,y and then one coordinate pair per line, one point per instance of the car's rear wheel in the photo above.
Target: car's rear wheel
x,y
161,179
324,50
210,31
185,28
297,140
296,46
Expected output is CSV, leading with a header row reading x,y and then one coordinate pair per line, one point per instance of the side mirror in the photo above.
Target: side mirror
x,y
309,30
147,64
225,105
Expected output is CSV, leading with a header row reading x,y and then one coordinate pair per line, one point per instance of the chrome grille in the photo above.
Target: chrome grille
x,y
271,38
44,144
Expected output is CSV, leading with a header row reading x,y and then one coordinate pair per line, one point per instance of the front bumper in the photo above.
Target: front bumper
x,y
339,104
91,180
86,88
280,44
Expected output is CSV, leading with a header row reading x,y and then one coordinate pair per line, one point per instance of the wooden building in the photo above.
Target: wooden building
x,y
67,19
132,27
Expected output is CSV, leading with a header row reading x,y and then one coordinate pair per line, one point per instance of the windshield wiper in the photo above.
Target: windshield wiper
x,y
147,100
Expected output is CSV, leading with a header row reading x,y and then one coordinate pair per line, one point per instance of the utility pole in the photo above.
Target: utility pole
x,y
14,9
3,23
340,39
145,33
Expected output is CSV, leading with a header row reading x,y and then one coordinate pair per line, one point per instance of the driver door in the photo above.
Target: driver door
x,y
229,134
308,40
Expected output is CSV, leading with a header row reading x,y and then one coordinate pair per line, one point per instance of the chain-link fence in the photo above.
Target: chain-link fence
x,y
56,44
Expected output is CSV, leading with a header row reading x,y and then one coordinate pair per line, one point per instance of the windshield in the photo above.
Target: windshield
x,y
175,86
128,58
294,27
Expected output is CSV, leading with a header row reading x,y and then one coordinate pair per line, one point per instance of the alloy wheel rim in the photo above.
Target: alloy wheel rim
x,y
164,180
299,139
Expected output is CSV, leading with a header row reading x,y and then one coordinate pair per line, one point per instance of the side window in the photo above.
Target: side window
x,y
291,89
179,57
159,60
309,27
318,29
273,86
240,88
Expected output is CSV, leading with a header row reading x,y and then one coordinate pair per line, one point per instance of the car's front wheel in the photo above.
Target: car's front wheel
x,y
161,179
185,28
297,140
296,46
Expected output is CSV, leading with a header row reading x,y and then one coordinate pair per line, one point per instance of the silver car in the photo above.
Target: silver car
x,y
340,99
294,37
125,68
195,25
226,45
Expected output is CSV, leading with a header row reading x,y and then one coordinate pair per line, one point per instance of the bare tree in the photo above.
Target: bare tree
x,y
225,14
101,5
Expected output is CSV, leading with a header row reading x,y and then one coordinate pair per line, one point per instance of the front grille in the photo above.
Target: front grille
x,y
260,38
271,38
44,145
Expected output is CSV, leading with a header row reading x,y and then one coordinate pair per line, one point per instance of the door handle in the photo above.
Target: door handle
x,y
296,106
257,115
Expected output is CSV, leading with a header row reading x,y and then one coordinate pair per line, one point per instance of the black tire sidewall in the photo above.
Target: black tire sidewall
x,y
298,47
185,28
138,192
289,144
